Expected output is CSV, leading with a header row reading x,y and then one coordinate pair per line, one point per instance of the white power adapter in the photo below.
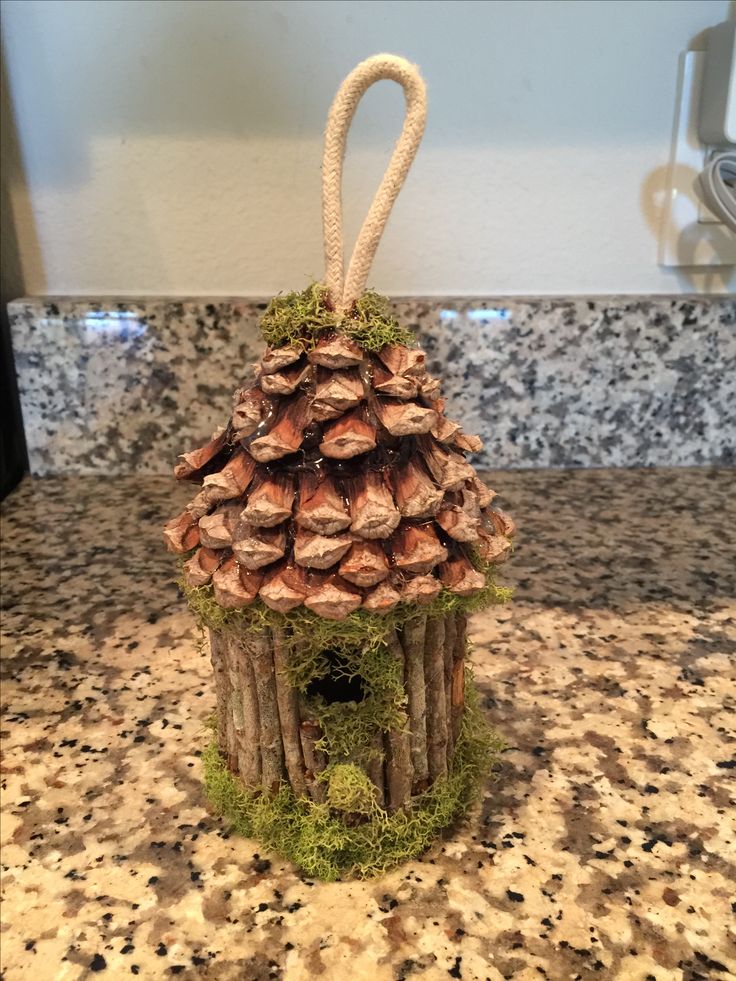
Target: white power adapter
x,y
716,184
699,203
717,116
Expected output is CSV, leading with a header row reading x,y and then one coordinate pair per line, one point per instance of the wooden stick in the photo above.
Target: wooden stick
x,y
278,358
245,712
365,564
198,570
216,529
181,533
416,548
250,763
288,703
405,418
458,676
332,597
284,587
399,772
315,760
412,641
218,654
434,679
372,508
191,465
272,750
270,502
449,647
417,496
348,437
381,598
232,480
420,589
336,352
255,548
321,508
315,551
286,434
374,769
287,381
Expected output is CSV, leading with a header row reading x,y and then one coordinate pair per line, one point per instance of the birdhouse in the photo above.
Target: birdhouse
x,y
337,542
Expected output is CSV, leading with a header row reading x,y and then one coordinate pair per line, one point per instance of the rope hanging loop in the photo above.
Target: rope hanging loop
x,y
345,289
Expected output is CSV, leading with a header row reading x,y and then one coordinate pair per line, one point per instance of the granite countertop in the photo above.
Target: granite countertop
x,y
605,848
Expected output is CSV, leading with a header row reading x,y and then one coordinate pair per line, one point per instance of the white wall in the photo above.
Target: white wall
x,y
173,146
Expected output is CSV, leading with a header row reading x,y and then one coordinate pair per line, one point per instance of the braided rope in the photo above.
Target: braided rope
x,y
344,293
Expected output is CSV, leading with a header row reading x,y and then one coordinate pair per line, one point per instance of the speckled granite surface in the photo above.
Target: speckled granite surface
x,y
551,382
605,849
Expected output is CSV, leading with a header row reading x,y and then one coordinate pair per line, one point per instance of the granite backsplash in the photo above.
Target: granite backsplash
x,y
112,386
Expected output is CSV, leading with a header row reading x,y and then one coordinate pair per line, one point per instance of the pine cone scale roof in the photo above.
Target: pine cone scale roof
x,y
338,483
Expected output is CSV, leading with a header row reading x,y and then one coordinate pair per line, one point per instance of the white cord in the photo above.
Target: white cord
x,y
345,292
716,186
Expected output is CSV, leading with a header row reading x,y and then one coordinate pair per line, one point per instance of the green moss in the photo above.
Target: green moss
x,y
357,648
349,789
371,324
349,728
312,634
300,318
316,838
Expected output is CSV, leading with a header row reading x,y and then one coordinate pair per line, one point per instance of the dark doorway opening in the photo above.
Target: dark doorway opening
x,y
334,686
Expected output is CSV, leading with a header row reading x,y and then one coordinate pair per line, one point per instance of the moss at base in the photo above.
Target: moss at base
x,y
322,844
349,789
